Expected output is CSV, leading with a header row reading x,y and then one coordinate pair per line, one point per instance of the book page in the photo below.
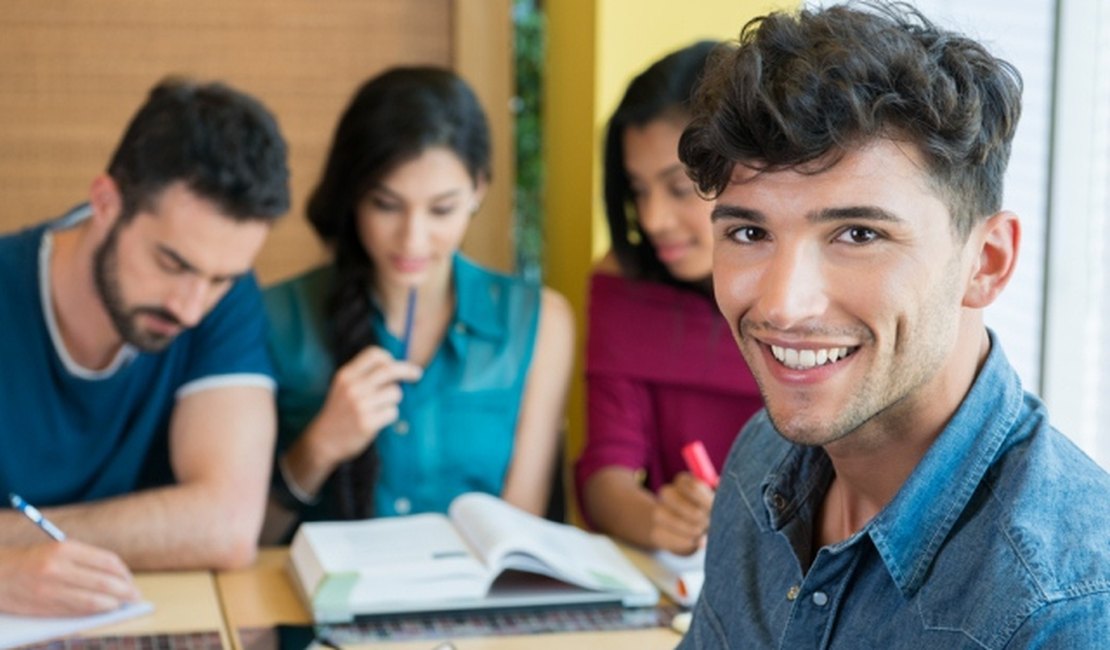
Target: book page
x,y
412,547
21,630
509,538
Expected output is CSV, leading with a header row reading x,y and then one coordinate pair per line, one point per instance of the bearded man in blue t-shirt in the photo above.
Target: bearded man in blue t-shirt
x,y
136,397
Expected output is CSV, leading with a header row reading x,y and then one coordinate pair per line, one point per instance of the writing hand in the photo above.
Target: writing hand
x,y
680,518
67,578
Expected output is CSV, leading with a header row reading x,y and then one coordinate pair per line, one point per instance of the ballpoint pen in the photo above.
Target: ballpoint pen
x,y
410,312
32,513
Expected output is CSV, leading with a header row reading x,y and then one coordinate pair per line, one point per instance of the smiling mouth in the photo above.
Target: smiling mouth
x,y
810,358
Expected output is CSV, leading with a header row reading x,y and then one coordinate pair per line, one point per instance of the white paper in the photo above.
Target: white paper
x,y
21,630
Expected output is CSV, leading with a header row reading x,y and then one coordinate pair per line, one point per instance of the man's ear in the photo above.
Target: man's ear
x,y
106,201
996,241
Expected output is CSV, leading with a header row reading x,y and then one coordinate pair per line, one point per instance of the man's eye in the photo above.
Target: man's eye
x,y
748,234
170,265
859,235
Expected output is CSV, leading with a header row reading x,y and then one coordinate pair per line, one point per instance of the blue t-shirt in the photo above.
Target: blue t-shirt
x,y
457,424
68,434
1000,538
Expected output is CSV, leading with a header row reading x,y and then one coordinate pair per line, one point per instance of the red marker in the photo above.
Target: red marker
x,y
697,459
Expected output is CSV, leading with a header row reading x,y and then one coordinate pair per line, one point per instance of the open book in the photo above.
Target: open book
x,y
484,554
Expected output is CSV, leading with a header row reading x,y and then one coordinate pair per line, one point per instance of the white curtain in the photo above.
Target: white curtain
x,y
1077,321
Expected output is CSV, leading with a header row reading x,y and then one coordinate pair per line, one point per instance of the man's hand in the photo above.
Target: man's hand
x,y
63,579
680,518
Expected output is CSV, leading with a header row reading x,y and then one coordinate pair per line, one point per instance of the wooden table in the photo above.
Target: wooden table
x,y
262,596
184,601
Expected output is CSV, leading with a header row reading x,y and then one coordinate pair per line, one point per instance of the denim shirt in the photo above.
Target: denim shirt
x,y
1000,538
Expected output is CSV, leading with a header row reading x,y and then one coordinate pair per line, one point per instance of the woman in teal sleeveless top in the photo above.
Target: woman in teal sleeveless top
x,y
408,374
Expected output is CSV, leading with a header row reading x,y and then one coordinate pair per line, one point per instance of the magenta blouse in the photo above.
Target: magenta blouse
x,y
662,369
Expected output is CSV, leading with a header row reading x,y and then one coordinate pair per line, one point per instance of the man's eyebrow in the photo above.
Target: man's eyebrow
x,y
188,267
722,212
866,212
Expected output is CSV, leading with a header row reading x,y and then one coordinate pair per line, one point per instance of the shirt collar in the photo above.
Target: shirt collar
x,y
126,353
910,531
478,303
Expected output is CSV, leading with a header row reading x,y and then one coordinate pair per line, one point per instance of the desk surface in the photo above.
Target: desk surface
x,y
262,596
184,601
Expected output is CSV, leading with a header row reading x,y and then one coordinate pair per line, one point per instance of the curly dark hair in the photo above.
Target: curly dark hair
x,y
393,118
223,144
662,91
800,90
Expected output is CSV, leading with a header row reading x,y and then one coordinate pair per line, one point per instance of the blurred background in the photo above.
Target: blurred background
x,y
549,74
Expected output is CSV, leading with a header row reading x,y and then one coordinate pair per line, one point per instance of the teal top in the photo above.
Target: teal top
x,y
457,424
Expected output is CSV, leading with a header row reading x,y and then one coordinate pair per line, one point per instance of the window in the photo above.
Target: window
x,y
1077,318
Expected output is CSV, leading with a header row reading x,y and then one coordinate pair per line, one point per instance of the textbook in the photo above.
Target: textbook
x,y
483,554
678,576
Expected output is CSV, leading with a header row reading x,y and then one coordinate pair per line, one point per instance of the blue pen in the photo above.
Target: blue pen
x,y
410,311
34,515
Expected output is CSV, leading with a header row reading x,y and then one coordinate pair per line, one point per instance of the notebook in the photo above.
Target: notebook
x,y
678,576
21,630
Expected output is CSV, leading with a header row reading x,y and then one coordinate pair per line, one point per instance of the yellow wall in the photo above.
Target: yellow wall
x,y
594,48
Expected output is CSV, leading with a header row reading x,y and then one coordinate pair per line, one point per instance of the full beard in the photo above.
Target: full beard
x,y
124,318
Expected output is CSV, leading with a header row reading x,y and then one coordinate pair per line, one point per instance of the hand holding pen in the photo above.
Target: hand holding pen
x,y
60,576
364,397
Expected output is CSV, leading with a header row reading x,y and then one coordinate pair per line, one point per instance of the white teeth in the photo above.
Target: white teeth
x,y
808,358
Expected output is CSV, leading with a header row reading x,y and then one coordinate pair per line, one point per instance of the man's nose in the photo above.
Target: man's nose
x,y
189,300
793,286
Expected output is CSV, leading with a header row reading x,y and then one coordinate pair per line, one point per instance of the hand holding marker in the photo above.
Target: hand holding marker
x,y
697,459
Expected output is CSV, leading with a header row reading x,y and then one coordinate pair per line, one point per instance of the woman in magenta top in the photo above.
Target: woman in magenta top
x,y
662,368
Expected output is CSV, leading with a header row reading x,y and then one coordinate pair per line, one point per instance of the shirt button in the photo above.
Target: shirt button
x,y
792,593
401,427
820,598
778,501
402,506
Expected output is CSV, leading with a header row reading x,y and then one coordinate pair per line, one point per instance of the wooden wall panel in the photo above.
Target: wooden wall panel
x,y
72,72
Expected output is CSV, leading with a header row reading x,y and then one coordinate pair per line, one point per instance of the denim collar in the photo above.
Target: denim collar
x,y
909,532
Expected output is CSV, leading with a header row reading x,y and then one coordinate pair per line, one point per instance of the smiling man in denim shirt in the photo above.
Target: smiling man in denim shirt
x,y
900,490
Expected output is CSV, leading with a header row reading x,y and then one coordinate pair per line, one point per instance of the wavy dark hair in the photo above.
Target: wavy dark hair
x,y
662,91
223,144
393,118
801,89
